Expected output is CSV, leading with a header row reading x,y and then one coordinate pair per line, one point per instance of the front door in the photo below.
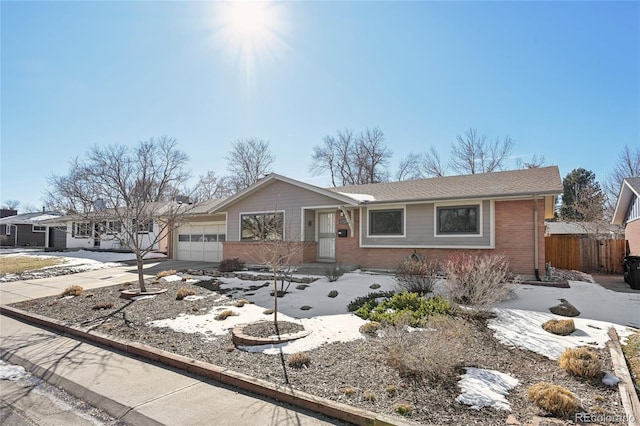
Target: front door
x,y
327,236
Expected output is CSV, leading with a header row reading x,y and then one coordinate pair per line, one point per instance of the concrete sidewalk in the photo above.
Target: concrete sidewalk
x,y
137,391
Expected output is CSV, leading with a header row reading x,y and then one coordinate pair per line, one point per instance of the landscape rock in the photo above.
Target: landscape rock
x,y
565,309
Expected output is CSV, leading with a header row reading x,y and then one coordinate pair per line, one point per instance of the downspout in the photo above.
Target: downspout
x,y
535,237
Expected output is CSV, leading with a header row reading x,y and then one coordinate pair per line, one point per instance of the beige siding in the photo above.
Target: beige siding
x,y
420,229
279,196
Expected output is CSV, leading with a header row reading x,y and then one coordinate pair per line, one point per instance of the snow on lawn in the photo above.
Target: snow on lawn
x,y
523,329
84,260
349,286
592,300
324,329
11,372
485,388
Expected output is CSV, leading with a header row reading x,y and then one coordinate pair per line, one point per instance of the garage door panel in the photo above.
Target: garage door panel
x,y
200,242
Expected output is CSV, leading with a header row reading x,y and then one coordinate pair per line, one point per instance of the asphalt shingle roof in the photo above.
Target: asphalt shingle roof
x,y
541,181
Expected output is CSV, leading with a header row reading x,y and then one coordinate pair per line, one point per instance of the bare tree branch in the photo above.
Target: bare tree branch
x,y
472,153
124,190
249,161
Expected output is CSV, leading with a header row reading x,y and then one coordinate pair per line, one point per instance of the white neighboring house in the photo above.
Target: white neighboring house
x,y
84,234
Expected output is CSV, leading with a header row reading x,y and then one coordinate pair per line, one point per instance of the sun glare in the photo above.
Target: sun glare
x,y
250,34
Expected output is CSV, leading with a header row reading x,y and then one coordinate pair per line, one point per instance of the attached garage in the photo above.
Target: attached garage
x,y
200,241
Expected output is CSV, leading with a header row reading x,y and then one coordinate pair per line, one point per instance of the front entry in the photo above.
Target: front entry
x,y
327,237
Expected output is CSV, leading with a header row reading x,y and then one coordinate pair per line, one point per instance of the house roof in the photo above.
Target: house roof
x,y
580,228
29,218
630,188
276,177
513,183
205,207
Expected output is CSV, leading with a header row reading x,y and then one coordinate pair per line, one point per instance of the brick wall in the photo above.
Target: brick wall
x,y
513,238
256,253
632,234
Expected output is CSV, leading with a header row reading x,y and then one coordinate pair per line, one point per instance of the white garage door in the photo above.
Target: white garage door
x,y
201,242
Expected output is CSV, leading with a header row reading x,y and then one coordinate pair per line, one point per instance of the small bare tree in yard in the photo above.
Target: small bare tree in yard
x,y
126,192
276,250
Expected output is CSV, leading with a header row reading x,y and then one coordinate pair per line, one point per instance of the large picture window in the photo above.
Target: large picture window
x,y
386,222
262,226
458,220
80,229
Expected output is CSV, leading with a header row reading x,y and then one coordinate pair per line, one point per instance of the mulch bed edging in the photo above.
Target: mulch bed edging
x,y
240,338
628,393
281,393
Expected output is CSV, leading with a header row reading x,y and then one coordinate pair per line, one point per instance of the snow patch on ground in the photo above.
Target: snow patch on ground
x,y
523,329
485,388
11,372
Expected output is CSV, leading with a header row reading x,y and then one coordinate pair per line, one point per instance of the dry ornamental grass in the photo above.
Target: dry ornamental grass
x,y
554,399
184,292
581,362
74,290
560,327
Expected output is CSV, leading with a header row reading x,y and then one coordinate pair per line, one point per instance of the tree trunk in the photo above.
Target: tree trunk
x,y
140,263
275,298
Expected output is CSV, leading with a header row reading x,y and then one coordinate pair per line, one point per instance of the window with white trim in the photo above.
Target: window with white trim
x,y
39,228
80,229
458,220
386,222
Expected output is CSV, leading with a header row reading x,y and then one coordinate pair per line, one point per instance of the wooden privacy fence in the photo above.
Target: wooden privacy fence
x,y
585,254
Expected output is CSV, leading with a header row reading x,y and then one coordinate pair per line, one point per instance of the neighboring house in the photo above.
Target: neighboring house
x,y
28,229
584,229
380,225
627,213
103,234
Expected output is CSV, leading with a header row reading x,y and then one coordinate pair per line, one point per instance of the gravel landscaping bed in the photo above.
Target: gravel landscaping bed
x,y
357,373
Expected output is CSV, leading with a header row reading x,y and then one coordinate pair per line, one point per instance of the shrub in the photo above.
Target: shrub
x,y
370,397
403,409
370,328
299,360
552,398
333,293
417,275
333,272
224,315
391,390
74,290
427,355
167,273
368,300
560,327
410,306
348,390
581,362
184,292
231,264
479,281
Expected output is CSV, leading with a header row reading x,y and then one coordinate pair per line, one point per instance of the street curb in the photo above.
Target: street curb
x,y
628,393
280,393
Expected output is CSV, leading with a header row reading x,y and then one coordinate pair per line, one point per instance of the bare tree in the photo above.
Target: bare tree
x,y
212,186
125,191
626,166
472,153
353,159
409,168
249,160
10,204
431,165
534,163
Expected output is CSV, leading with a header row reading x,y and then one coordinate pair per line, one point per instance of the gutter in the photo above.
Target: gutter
x,y
536,256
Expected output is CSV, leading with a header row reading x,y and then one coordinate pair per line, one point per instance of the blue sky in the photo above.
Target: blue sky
x,y
561,78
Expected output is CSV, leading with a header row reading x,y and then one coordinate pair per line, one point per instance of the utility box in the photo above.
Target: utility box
x,y
343,232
